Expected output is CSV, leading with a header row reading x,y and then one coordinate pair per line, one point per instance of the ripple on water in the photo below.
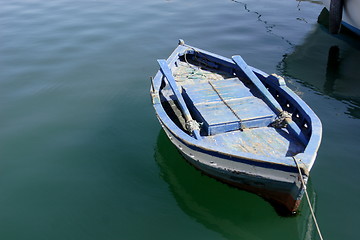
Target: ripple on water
x,y
78,131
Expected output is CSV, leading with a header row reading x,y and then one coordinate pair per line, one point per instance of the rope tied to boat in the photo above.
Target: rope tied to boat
x,y
281,121
227,105
192,125
186,60
307,197
201,60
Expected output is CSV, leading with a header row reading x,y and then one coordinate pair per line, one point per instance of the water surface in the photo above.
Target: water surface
x,y
82,155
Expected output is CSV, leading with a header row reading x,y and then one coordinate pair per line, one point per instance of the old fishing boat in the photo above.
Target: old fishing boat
x,y
236,123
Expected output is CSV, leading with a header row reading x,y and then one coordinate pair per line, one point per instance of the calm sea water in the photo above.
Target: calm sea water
x,y
82,155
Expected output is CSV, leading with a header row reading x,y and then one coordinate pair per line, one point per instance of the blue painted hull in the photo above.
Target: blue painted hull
x,y
274,177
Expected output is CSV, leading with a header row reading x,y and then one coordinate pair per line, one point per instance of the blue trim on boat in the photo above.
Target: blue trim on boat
x,y
234,158
351,27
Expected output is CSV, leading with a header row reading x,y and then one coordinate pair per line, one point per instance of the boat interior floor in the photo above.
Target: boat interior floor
x,y
232,114
265,141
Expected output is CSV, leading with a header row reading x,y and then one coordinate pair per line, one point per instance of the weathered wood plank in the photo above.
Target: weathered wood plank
x,y
291,126
260,141
168,75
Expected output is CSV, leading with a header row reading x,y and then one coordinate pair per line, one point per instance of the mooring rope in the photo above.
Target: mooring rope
x,y
186,51
307,198
282,119
226,104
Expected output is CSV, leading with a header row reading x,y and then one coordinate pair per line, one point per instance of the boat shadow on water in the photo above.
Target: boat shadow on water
x,y
233,213
329,64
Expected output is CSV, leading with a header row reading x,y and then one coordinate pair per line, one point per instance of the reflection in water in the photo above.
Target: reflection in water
x,y
333,74
332,69
329,64
233,213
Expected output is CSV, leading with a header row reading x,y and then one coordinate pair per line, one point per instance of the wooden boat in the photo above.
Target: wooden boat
x,y
237,124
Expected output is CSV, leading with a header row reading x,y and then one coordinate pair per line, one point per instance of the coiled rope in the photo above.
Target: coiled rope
x,y
282,120
307,198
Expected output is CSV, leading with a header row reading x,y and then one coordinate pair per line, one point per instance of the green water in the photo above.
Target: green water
x,y
82,155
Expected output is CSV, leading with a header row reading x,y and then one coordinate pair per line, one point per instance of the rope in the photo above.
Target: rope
x,y
186,51
223,100
281,120
192,125
194,69
307,198
202,61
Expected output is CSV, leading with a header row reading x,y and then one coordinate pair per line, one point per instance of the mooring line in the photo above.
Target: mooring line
x,y
226,104
308,199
